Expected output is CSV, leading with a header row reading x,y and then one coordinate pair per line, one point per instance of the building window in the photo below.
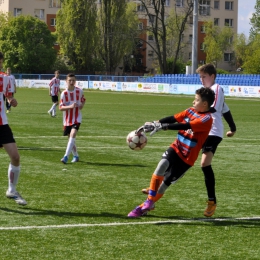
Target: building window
x,y
179,3
216,21
140,8
190,38
17,11
190,19
202,29
167,2
229,22
228,57
140,26
151,18
150,37
202,46
204,7
39,13
53,22
190,55
150,53
228,5
216,4
55,3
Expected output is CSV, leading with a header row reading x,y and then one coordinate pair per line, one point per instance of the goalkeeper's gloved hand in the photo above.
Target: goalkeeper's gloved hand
x,y
154,127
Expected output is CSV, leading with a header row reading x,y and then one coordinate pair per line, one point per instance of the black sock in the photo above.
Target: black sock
x,y
210,182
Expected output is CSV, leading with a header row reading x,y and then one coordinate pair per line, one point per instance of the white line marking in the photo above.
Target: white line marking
x,y
133,223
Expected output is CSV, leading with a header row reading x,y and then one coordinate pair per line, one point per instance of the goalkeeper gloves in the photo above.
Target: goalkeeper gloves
x,y
154,127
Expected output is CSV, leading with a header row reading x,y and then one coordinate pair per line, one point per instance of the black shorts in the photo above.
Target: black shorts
x,y
177,167
211,144
6,135
67,129
54,99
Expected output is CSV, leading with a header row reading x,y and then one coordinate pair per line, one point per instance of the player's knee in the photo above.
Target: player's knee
x,y
15,159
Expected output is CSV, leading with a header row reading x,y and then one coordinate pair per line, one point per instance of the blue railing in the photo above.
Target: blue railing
x,y
222,79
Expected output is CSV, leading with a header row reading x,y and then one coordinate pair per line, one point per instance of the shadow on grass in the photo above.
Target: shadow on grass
x,y
220,221
37,148
42,212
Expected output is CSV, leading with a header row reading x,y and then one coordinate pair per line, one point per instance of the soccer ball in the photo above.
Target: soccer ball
x,y
136,141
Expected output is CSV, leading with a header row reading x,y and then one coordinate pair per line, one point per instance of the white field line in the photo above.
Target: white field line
x,y
83,148
177,221
123,137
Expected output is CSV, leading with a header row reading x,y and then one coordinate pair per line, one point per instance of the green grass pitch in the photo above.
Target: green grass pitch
x,y
79,211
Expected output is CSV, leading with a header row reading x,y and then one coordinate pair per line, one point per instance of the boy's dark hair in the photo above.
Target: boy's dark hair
x,y
206,94
70,75
56,71
207,68
1,55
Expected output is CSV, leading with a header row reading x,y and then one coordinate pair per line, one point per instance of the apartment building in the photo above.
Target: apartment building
x,y
45,10
221,12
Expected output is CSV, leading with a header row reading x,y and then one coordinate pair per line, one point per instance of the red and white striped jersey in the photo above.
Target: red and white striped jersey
x,y
4,88
72,116
12,83
54,86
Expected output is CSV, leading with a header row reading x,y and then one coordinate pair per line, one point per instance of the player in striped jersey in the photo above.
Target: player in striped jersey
x,y
7,140
12,87
194,125
54,90
71,102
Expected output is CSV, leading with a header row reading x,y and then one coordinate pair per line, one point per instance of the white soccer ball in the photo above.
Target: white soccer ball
x,y
136,141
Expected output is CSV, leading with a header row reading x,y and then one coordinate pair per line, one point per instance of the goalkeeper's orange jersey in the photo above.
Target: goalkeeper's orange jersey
x,y
189,142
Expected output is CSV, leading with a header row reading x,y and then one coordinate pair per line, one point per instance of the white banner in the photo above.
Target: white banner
x,y
238,91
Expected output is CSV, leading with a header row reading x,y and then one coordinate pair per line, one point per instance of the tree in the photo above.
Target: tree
x,y
240,47
251,62
77,32
255,21
176,25
163,34
216,40
117,24
27,45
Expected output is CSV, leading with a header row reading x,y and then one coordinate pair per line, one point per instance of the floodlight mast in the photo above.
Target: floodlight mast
x,y
195,38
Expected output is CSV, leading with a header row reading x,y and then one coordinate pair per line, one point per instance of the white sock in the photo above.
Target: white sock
x,y
70,145
54,111
74,150
53,106
13,176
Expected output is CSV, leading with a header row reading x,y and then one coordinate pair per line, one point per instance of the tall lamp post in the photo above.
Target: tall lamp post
x,y
195,37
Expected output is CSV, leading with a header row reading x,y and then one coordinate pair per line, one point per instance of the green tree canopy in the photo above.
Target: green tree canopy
x,y
118,27
255,21
216,41
27,45
251,62
77,32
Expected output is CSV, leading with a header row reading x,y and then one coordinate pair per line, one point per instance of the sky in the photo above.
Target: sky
x,y
245,10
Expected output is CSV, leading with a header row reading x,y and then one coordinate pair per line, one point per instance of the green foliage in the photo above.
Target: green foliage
x,y
221,71
251,62
27,45
240,47
77,32
117,24
255,22
216,40
179,68
95,195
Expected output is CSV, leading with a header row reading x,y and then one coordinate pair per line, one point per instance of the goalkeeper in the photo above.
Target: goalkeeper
x,y
193,125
